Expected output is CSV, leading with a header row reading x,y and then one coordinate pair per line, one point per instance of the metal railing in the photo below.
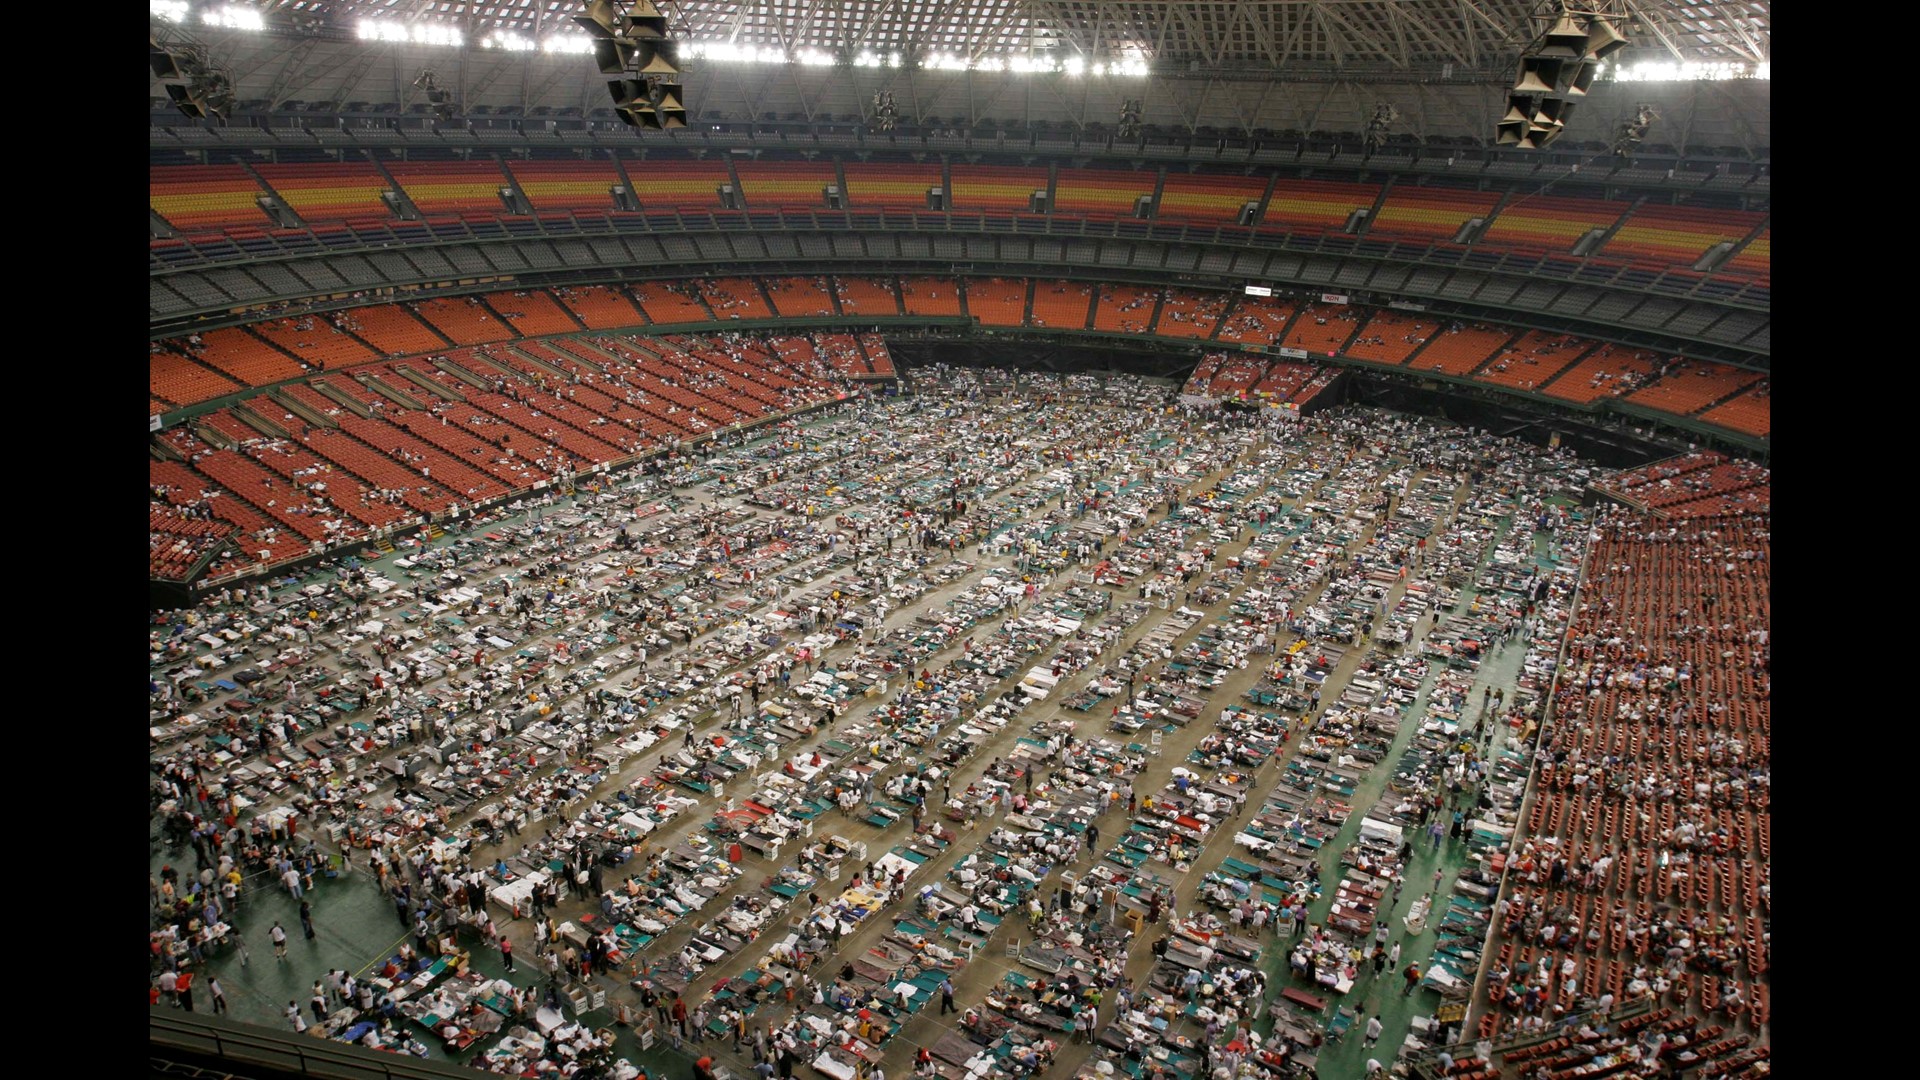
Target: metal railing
x,y
240,1044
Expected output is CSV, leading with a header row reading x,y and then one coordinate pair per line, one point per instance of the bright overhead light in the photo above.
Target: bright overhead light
x,y
232,18
1690,72
567,43
509,41
416,33
168,10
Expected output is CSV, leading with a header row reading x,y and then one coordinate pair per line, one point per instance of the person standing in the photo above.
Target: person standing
x,y
218,995
298,1022
306,917
680,1015
946,997
506,951
1412,974
279,936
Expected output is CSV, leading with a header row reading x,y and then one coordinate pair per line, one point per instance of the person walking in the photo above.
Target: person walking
x,y
279,936
946,997
218,995
306,918
1374,1028
1412,974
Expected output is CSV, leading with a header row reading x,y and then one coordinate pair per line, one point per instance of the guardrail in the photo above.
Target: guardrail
x,y
239,1045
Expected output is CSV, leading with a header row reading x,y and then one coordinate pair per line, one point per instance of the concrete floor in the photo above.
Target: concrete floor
x,y
356,927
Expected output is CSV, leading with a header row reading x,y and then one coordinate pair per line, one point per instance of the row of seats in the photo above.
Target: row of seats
x,y
1425,213
769,184
1534,360
1691,385
1642,869
532,312
1750,413
1561,366
1062,304
203,198
1678,235
1701,483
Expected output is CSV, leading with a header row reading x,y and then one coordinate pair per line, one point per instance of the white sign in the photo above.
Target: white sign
x,y
1259,290
1297,354
153,423
1333,298
1406,305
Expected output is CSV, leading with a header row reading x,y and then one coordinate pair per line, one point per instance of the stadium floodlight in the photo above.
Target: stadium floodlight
x,y
1631,133
1378,125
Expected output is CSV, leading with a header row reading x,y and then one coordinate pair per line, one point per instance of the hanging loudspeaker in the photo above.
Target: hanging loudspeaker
x,y
613,54
658,58
602,19
1580,81
1604,39
1538,75
1568,38
644,21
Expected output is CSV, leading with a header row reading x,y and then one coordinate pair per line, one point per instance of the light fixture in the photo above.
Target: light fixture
x,y
1631,133
1380,124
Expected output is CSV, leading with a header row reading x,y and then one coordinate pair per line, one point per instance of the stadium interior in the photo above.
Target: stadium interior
x,y
1195,539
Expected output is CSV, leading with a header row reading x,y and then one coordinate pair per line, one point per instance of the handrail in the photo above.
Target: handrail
x,y
250,1044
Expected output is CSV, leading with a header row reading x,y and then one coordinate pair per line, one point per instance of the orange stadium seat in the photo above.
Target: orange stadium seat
x,y
1429,213
677,185
600,307
893,186
394,330
1691,385
532,312
998,301
578,186
462,319
1533,361
205,198
867,295
800,297
1390,337
452,187
330,191
1213,199
1548,223
1124,309
1609,371
1101,192
987,187
1316,206
1677,235
1061,304
932,296
771,185
1460,348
